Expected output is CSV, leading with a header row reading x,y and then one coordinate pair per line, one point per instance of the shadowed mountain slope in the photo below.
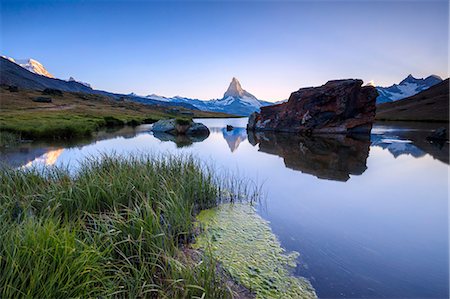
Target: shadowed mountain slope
x,y
429,105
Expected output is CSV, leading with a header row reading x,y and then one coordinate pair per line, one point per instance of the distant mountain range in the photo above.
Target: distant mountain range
x,y
431,104
235,101
31,74
406,88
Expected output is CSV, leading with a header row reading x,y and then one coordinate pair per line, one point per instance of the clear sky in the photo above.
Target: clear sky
x,y
193,49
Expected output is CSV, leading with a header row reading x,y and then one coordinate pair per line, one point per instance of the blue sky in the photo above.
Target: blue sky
x,y
193,49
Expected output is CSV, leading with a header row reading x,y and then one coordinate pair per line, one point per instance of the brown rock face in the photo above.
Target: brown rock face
x,y
340,106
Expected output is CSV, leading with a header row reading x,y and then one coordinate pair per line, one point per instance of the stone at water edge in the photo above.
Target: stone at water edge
x,y
339,106
164,125
230,128
172,127
198,129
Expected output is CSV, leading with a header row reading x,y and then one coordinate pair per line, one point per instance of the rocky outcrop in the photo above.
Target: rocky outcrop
x,y
340,106
180,127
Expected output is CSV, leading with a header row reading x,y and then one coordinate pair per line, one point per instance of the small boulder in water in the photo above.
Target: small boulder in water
x,y
230,128
197,129
180,127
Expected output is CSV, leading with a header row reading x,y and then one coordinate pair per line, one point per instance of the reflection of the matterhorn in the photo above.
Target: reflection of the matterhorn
x,y
331,157
234,137
180,140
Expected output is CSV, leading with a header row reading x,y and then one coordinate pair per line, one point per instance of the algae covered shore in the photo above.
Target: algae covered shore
x,y
247,249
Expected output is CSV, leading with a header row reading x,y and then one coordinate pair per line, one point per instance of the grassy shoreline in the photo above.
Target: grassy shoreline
x,y
116,228
77,114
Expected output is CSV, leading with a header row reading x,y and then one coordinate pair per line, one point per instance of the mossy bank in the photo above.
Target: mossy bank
x,y
248,250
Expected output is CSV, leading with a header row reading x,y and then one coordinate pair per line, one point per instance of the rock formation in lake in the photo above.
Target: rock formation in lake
x,y
331,157
180,127
339,106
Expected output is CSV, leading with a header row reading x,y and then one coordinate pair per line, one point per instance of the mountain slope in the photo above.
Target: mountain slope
x,y
429,105
406,88
14,74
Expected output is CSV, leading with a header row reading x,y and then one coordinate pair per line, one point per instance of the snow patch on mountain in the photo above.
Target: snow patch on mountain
x,y
31,65
406,88
235,100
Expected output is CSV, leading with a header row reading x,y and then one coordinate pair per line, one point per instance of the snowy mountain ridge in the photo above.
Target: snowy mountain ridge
x,y
36,67
31,65
235,100
406,88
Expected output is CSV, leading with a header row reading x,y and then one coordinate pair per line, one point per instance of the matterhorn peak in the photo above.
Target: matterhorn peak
x,y
235,90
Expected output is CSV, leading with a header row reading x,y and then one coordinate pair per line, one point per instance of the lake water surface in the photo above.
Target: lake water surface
x,y
369,216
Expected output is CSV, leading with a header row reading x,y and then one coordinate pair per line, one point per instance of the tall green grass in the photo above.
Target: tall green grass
x,y
118,227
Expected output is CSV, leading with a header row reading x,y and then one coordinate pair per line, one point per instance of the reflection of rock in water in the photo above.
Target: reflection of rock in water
x,y
326,157
180,140
234,137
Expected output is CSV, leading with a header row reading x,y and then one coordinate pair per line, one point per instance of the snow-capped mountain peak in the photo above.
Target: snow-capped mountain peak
x,y
235,101
31,65
406,88
235,90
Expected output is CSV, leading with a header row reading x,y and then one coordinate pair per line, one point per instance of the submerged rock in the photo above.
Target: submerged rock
x,y
339,106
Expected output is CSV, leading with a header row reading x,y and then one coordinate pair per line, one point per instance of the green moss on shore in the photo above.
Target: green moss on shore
x,y
248,250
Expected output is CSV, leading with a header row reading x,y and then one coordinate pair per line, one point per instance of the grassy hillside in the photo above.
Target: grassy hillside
x,y
76,114
429,105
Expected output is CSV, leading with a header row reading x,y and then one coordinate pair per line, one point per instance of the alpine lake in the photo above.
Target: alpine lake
x,y
356,217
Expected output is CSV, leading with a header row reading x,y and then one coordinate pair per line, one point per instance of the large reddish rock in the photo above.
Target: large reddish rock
x,y
339,106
